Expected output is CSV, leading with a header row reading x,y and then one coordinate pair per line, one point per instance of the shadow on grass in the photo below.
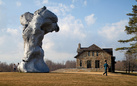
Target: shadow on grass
x,y
133,74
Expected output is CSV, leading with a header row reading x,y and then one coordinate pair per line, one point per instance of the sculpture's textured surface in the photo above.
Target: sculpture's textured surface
x,y
35,27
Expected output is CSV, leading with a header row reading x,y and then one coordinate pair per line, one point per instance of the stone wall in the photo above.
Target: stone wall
x,y
102,56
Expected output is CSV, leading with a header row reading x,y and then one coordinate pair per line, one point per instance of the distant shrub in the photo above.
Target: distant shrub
x,y
4,67
54,66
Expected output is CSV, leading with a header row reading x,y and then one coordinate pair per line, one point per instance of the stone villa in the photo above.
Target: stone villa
x,y
93,58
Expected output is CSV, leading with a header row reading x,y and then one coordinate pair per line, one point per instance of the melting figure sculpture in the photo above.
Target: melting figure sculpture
x,y
36,26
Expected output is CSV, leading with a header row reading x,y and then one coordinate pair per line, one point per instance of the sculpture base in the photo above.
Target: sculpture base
x,y
33,66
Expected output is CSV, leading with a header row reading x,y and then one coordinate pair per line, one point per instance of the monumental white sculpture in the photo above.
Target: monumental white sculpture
x,y
35,27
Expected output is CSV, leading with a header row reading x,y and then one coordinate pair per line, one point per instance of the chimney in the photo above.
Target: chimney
x,y
79,46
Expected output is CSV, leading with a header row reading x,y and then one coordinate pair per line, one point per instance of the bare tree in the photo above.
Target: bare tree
x,y
133,62
130,62
119,65
54,66
70,64
4,67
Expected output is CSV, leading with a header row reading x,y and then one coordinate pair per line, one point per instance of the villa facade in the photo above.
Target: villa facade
x,y
93,58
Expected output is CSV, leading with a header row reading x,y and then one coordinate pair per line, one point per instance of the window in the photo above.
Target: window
x,y
97,62
88,63
88,53
97,53
93,53
80,63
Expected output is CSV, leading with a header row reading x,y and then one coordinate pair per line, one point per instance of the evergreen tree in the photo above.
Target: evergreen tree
x,y
131,29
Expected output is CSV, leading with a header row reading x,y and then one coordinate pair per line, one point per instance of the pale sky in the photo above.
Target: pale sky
x,y
100,22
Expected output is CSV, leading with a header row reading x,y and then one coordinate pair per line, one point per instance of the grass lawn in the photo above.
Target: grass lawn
x,y
66,79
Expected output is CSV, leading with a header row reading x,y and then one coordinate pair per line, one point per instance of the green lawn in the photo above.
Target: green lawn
x,y
66,79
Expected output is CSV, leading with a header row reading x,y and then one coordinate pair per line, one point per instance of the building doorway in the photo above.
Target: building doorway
x,y
88,63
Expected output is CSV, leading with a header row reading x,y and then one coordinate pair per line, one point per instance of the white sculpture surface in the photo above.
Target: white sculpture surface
x,y
36,26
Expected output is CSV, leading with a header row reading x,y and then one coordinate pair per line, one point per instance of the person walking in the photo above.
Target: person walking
x,y
105,67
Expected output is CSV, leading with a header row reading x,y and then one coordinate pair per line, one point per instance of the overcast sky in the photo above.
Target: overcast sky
x,y
100,22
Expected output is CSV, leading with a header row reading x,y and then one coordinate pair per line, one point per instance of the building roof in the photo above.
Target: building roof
x,y
109,50
94,48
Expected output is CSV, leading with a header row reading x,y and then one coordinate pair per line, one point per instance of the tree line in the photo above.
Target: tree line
x,y
4,67
129,64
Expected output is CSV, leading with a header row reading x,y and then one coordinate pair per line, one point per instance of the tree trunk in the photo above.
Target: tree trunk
x,y
129,67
